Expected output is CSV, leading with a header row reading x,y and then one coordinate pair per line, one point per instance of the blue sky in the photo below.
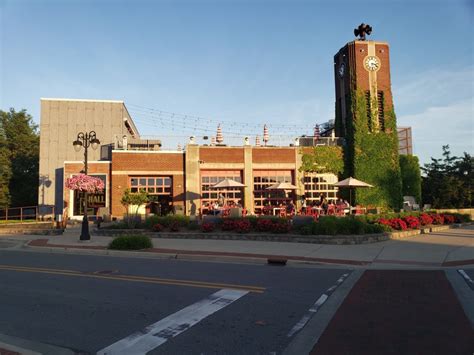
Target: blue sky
x,y
247,62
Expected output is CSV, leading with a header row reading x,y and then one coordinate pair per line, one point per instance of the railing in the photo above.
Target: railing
x,y
27,213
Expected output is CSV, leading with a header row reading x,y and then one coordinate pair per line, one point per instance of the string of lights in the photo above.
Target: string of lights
x,y
197,121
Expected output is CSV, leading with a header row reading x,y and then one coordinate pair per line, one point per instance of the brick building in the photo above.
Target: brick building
x,y
182,181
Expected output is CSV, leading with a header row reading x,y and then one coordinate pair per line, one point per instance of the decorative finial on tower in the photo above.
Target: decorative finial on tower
x,y
362,30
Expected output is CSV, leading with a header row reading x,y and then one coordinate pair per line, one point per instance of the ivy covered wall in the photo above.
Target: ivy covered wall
x,y
372,156
324,159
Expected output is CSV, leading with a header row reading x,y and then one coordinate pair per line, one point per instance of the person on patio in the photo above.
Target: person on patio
x,y
290,208
221,200
324,204
303,205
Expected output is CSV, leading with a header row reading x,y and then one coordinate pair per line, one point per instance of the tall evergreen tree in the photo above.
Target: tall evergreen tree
x,y
22,141
448,182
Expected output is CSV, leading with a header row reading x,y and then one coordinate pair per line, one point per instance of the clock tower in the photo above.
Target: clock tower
x,y
363,67
366,120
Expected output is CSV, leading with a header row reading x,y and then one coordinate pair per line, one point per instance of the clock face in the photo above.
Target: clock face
x,y
372,63
341,70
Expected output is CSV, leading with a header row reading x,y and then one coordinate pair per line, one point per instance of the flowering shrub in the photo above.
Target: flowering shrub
x,y
242,226
174,227
425,219
264,225
157,228
437,219
412,222
229,225
394,223
207,227
449,219
83,182
282,227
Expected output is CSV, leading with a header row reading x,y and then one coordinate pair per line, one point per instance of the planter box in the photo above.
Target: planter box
x,y
404,234
438,228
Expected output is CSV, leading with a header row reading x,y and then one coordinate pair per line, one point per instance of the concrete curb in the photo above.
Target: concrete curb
x,y
195,255
295,238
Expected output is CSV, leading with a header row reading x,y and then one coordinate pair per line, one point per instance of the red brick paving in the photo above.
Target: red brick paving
x,y
8,352
399,312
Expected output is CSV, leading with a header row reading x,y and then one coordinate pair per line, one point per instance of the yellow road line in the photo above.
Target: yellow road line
x,y
131,278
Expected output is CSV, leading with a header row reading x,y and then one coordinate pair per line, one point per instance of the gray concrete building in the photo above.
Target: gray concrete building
x,y
61,121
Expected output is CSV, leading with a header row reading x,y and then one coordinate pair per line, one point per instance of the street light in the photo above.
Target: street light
x,y
85,140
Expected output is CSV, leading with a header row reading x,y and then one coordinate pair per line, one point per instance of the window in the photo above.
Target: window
x,y
209,178
316,184
262,196
153,185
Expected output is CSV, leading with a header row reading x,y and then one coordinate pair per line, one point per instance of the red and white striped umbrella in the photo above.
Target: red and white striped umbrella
x,y
265,134
213,140
257,141
219,137
316,132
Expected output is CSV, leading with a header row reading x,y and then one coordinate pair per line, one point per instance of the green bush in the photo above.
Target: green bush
x,y
326,225
193,225
131,242
167,221
306,229
330,225
351,225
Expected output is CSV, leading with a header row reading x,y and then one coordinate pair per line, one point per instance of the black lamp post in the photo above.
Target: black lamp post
x,y
85,140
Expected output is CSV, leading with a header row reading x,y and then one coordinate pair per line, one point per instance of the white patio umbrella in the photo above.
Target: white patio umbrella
x,y
351,183
227,183
282,186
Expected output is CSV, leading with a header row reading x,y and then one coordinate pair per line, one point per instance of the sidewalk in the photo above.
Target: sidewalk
x,y
453,247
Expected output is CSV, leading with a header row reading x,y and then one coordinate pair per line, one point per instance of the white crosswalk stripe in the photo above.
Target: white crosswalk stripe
x,y
158,333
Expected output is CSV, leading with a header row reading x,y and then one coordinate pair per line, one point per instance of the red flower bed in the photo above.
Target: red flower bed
x,y
449,219
412,222
264,225
174,227
277,226
207,227
437,219
425,219
242,226
394,223
228,225
158,228
281,227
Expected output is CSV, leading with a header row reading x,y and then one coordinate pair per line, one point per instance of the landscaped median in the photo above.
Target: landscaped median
x,y
300,229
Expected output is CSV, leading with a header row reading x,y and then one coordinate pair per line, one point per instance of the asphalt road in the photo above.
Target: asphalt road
x,y
87,303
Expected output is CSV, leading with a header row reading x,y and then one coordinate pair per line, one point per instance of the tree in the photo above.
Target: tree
x,y
448,182
411,177
5,170
133,200
22,142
